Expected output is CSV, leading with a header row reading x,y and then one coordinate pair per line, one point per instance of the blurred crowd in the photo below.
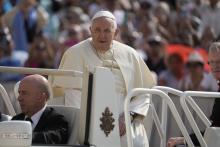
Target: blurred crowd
x,y
172,36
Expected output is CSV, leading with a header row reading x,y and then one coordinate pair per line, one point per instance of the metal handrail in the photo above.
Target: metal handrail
x,y
187,96
41,71
141,91
158,126
167,90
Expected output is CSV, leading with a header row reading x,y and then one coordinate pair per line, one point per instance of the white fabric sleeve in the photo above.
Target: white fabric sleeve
x,y
140,104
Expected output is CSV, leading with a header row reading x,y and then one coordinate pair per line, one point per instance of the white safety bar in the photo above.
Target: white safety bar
x,y
167,90
158,126
41,71
25,70
141,91
187,96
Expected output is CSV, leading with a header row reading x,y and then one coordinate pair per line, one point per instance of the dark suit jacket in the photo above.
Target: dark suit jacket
x,y
52,128
215,118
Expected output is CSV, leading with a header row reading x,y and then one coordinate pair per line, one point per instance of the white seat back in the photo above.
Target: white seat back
x,y
72,116
6,100
15,134
5,117
212,136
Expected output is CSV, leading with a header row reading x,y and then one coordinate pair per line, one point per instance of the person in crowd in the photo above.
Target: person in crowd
x,y
5,6
162,14
197,79
214,62
25,20
127,66
156,53
7,56
41,53
172,76
209,13
48,126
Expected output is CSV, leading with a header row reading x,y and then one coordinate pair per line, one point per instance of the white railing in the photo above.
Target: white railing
x,y
41,71
24,70
170,104
164,111
187,97
158,126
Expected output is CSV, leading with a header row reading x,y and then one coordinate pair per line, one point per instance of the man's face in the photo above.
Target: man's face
x,y
103,32
29,97
214,63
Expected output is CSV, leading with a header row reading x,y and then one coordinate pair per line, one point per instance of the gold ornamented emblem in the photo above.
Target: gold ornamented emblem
x,y
107,121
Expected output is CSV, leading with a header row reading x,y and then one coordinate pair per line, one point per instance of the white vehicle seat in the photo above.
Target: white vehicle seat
x,y
6,106
15,133
212,136
72,116
9,89
5,117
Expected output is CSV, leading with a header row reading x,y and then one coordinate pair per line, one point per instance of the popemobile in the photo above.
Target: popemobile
x,y
95,124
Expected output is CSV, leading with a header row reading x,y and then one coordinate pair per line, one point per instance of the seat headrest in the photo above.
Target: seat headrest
x,y
15,134
212,136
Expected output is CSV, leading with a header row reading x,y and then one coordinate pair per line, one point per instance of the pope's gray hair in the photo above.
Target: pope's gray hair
x,y
214,47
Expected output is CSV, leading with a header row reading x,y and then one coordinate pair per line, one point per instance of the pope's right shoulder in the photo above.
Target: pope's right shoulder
x,y
79,47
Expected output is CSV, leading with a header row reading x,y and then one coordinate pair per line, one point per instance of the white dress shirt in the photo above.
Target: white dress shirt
x,y
36,117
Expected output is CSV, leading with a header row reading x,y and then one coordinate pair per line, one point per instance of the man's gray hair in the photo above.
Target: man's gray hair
x,y
105,14
214,47
46,89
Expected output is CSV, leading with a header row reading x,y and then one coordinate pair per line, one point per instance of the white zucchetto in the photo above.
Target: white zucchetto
x,y
103,14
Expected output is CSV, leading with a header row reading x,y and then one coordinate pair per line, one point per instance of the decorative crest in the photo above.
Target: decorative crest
x,y
107,121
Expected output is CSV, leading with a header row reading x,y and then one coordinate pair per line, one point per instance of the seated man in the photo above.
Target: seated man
x,y
48,126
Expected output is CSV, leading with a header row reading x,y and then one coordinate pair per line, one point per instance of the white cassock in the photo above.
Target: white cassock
x,y
129,70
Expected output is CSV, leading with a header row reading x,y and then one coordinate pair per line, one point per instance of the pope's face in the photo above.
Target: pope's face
x,y
103,32
214,63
